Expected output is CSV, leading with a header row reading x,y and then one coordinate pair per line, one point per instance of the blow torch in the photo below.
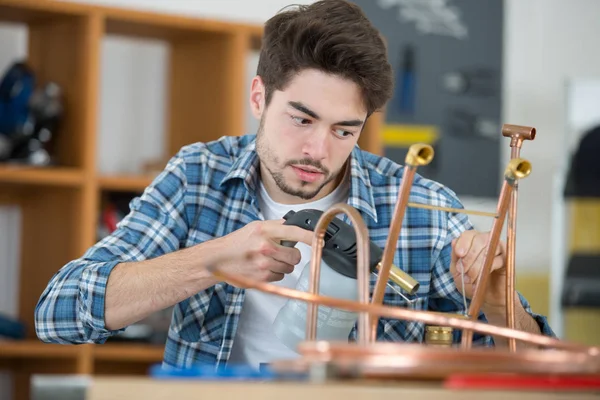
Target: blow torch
x,y
339,250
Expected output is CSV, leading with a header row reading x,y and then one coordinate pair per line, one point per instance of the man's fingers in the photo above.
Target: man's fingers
x,y
275,277
498,263
462,245
288,255
475,268
281,267
277,231
477,250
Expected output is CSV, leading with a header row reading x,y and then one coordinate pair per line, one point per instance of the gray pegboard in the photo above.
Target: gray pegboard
x,y
457,74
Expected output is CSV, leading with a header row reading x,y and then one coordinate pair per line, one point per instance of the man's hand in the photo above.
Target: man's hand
x,y
468,253
255,252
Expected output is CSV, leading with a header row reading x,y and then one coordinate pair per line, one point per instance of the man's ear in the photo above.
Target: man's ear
x,y
257,97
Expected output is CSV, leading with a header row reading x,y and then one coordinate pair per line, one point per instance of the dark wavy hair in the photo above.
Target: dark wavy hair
x,y
333,36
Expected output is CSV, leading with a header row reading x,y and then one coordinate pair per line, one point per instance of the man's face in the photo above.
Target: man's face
x,y
306,134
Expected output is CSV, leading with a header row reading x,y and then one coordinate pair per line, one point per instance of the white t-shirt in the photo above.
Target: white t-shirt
x,y
255,341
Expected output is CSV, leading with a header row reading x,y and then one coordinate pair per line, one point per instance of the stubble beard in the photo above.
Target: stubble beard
x,y
268,159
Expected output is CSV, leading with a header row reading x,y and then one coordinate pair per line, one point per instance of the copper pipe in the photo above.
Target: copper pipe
x,y
454,210
418,154
397,361
517,135
426,317
362,272
516,169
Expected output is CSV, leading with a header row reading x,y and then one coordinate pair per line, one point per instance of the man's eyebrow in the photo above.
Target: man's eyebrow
x,y
302,108
353,122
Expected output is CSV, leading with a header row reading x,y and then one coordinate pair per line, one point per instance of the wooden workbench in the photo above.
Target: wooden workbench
x,y
120,388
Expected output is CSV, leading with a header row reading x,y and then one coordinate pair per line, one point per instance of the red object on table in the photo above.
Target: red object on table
x,y
532,382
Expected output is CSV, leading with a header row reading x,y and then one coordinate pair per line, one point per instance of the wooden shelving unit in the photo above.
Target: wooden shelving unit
x,y
60,205
67,177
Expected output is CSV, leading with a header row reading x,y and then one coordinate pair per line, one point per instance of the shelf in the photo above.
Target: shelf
x,y
31,11
34,349
70,177
117,352
129,352
121,20
125,183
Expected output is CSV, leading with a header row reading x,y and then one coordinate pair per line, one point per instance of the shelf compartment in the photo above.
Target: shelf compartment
x,y
23,175
62,48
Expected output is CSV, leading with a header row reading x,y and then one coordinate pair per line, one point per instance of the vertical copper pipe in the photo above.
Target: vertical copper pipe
x,y
418,154
517,135
362,273
517,168
511,242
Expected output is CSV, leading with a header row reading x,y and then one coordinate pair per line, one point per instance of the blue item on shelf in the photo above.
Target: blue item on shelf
x,y
16,87
11,328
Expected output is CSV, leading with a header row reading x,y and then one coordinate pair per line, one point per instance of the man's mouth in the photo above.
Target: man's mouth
x,y
306,173
308,169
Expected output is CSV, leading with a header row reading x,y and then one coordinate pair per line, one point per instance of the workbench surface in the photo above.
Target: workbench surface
x,y
151,389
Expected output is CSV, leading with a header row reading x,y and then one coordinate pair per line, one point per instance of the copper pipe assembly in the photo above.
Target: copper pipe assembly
x,y
516,169
367,358
418,155
427,317
517,135
362,273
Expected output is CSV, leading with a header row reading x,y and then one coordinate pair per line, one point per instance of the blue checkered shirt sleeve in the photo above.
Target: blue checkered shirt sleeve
x,y
71,308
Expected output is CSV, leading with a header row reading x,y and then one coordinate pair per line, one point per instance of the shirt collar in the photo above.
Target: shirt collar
x,y
246,168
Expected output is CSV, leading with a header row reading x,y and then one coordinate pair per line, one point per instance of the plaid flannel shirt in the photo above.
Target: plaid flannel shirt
x,y
208,190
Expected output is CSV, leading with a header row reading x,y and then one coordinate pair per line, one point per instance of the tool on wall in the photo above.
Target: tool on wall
x,y
473,81
407,81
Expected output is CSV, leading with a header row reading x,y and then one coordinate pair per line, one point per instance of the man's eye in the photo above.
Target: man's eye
x,y
300,121
343,133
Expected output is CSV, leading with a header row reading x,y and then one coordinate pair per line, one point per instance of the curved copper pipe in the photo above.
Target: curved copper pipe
x,y
516,169
418,154
362,273
517,135
426,317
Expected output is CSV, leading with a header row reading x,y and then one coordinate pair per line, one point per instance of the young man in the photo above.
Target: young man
x,y
323,71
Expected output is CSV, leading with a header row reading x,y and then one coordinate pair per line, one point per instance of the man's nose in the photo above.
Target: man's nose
x,y
316,145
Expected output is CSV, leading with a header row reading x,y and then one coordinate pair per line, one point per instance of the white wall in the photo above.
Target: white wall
x,y
547,43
